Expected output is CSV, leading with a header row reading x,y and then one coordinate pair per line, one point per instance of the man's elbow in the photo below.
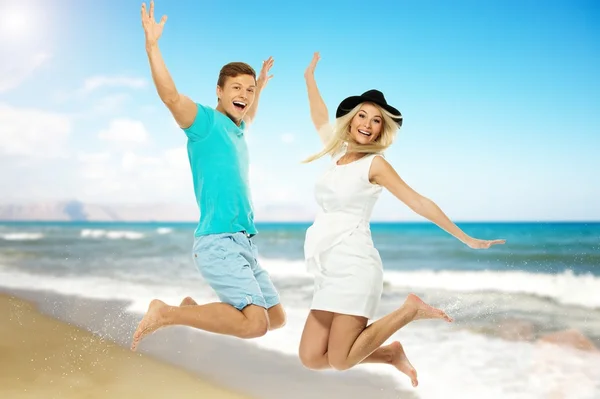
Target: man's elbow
x,y
171,100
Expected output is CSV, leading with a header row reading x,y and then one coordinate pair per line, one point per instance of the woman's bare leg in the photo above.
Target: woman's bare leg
x,y
350,342
315,340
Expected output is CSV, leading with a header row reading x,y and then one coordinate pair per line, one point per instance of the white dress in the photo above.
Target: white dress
x,y
338,247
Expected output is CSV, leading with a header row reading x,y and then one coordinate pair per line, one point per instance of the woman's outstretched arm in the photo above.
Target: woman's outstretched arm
x,y
383,173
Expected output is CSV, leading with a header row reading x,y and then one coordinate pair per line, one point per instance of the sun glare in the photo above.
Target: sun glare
x,y
15,21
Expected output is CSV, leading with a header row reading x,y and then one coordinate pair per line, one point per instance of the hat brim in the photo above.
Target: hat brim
x,y
349,103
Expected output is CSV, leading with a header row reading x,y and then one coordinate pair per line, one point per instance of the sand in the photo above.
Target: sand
x,y
41,357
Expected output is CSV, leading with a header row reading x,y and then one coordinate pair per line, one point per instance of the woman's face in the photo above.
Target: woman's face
x,y
367,124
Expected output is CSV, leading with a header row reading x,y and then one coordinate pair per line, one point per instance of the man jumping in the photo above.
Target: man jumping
x,y
223,249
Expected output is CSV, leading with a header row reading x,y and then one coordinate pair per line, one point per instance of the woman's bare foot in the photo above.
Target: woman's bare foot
x,y
152,321
400,361
425,311
187,301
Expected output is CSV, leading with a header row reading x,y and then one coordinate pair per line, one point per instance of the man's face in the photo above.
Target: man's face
x,y
236,96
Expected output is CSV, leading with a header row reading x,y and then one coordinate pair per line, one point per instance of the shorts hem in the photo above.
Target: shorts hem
x,y
250,300
272,301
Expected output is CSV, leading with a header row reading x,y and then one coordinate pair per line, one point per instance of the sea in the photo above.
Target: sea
x,y
544,280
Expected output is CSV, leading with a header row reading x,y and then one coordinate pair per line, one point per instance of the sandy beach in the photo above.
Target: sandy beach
x,y
43,357
73,332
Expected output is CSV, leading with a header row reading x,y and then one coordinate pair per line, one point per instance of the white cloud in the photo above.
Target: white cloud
x,y
15,70
94,165
132,162
269,189
177,158
33,132
287,138
110,103
125,131
135,177
90,157
96,82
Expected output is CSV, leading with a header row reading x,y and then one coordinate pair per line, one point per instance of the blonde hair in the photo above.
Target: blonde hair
x,y
341,135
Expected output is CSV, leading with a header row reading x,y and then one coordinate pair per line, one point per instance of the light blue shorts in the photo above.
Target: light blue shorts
x,y
228,262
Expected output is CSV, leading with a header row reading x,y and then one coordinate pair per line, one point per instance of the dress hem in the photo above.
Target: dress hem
x,y
342,311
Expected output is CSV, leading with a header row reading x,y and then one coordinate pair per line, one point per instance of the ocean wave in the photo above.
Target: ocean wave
x,y
111,234
22,236
566,288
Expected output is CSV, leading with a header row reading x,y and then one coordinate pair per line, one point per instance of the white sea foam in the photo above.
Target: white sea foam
x,y
565,288
22,236
111,234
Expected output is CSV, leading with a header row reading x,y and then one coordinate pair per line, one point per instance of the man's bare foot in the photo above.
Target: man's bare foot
x,y
187,301
425,311
152,321
400,361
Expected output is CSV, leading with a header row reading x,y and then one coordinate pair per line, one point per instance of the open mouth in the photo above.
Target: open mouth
x,y
240,106
367,134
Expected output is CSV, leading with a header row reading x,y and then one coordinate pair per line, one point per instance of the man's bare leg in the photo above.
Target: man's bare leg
x,y
188,301
276,313
277,317
218,318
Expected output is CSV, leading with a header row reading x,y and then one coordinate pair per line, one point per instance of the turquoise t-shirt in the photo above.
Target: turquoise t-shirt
x,y
219,160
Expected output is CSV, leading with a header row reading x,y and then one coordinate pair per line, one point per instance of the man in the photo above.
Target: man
x,y
223,248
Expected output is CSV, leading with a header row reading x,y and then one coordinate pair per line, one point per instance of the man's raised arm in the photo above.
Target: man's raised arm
x,y
184,110
261,83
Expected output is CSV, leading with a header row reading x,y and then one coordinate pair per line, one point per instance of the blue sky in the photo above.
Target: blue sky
x,y
500,100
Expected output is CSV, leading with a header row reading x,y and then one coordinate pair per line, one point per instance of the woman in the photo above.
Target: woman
x,y
339,250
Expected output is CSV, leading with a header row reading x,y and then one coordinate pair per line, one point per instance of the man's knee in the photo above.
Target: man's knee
x,y
277,317
256,323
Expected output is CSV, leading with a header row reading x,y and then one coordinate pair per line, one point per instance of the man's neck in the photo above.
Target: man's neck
x,y
221,110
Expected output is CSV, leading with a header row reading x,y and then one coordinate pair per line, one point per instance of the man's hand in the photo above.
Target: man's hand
x,y
263,77
152,29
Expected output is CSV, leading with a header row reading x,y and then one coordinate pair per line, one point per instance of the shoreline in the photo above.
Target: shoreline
x,y
215,360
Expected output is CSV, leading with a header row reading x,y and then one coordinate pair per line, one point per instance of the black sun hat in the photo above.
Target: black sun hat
x,y
372,96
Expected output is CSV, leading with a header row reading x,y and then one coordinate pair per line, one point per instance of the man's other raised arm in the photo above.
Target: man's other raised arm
x,y
182,107
184,110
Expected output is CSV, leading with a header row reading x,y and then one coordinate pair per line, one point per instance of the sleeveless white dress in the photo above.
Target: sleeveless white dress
x,y
338,248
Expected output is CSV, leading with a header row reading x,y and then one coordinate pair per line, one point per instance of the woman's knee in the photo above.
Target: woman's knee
x,y
312,360
339,361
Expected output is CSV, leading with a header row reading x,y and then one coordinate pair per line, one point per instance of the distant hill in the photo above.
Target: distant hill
x,y
79,211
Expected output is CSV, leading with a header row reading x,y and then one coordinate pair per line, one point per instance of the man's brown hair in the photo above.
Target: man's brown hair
x,y
234,69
